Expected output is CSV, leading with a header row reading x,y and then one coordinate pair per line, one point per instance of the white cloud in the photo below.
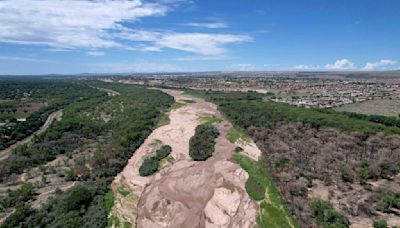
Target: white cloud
x,y
342,64
380,65
24,59
69,24
210,25
100,24
200,43
95,53
208,44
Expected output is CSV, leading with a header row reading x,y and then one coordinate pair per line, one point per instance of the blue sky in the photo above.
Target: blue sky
x,y
103,36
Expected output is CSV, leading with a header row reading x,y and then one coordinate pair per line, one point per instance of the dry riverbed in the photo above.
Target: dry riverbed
x,y
185,193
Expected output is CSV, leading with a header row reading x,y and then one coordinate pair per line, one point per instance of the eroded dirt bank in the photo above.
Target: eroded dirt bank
x,y
185,193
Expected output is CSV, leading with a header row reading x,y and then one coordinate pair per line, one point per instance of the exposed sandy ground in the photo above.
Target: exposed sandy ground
x,y
53,116
186,193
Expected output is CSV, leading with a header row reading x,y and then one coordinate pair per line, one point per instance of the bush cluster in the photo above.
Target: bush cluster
x,y
326,216
150,165
81,206
201,145
388,201
18,196
380,223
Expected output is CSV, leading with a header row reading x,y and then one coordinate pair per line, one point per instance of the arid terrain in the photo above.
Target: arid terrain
x,y
186,193
384,107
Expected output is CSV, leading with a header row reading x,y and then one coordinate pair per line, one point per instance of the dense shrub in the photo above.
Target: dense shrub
x,y
201,145
20,195
387,201
77,207
163,152
326,216
387,168
150,165
380,223
363,172
78,197
238,149
20,214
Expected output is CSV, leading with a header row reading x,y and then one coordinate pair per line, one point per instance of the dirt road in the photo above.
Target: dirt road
x,y
53,116
186,193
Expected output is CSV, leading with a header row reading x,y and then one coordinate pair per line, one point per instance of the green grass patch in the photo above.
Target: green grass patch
x,y
156,143
109,201
195,93
235,135
114,221
177,105
260,187
121,190
255,189
165,161
188,101
210,119
164,120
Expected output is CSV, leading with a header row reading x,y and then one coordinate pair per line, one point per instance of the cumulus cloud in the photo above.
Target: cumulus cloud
x,y
100,24
380,65
69,24
341,64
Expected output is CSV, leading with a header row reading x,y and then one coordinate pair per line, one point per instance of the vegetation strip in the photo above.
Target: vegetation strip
x,y
249,109
260,187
